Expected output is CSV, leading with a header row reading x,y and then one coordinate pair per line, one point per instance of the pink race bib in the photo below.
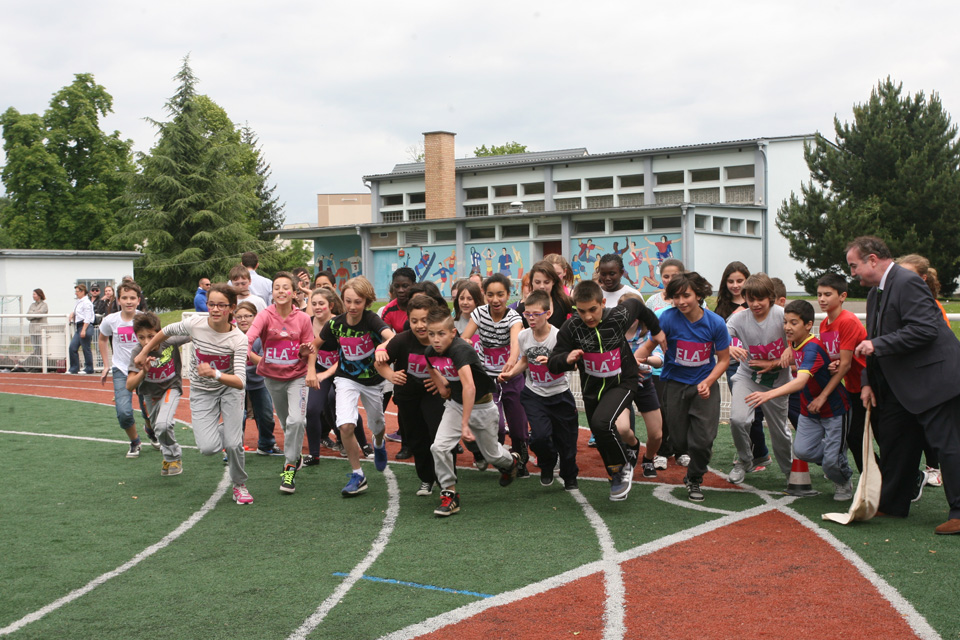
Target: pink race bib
x,y
831,342
417,365
771,351
358,348
282,352
326,359
735,342
495,357
125,335
693,354
541,376
220,363
602,365
444,367
164,367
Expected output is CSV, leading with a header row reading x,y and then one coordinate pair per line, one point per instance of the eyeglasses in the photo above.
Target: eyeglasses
x,y
218,305
245,316
530,315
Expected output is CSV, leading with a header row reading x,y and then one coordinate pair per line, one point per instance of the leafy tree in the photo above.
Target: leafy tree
x,y
190,206
500,150
5,241
63,174
893,173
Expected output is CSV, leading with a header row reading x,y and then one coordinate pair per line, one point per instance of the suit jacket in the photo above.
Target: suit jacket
x,y
915,350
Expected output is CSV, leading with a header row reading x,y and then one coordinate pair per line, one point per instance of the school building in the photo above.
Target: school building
x,y
707,204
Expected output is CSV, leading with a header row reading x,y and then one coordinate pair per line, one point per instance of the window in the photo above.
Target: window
x,y
705,175
719,224
669,197
753,228
669,177
567,185
599,183
532,188
628,225
567,204
740,172
417,198
668,222
390,201
599,202
383,239
421,236
534,206
630,200
475,193
505,191
445,235
483,233
740,195
515,231
705,196
735,225
475,210
635,180
417,214
501,207
700,222
584,227
392,216
548,230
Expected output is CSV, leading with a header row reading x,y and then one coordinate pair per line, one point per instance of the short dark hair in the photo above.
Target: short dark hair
x,y
129,285
497,278
759,286
238,271
587,291
689,280
39,293
867,245
421,301
437,315
285,274
538,299
404,272
250,260
148,320
672,262
779,287
834,281
429,289
611,257
800,308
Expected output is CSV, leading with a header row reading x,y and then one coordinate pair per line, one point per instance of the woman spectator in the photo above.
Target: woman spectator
x,y
36,315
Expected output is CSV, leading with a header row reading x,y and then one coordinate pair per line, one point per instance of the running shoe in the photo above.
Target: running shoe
x,y
737,474
759,464
394,437
272,450
649,471
175,468
426,489
621,483
152,436
522,471
287,484
843,491
310,461
241,495
694,494
683,460
480,463
356,485
134,451
660,462
592,442
507,475
934,478
570,484
546,477
449,504
380,457
328,443
165,468
367,451
404,453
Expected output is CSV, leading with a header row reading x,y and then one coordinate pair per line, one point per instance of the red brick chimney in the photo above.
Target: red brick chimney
x,y
440,174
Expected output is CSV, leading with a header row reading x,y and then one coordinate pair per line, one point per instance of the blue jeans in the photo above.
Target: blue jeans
x,y
123,399
75,343
262,406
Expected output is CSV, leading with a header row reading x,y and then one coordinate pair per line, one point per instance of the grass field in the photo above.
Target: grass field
x,y
73,510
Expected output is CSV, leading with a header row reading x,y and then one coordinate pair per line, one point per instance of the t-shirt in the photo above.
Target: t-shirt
x,y
166,370
356,345
539,378
657,302
122,339
611,298
692,346
813,360
256,301
448,364
844,334
395,317
494,345
406,353
225,352
281,339
764,340
254,379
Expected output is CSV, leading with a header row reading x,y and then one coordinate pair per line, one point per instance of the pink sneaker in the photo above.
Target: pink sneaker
x,y
241,495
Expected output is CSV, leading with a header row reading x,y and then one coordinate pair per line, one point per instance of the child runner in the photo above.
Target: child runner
x,y
594,342
240,280
469,411
357,334
116,331
544,278
840,333
414,393
159,384
563,270
762,344
469,297
287,368
819,435
546,398
499,327
255,391
217,376
697,355
646,401
394,313
610,275
668,268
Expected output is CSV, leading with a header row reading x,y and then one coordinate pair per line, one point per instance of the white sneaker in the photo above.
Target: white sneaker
x,y
737,474
683,460
426,489
659,462
934,479
134,451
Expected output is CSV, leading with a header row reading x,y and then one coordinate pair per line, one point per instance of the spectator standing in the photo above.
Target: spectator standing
x,y
105,304
36,316
200,299
82,315
259,286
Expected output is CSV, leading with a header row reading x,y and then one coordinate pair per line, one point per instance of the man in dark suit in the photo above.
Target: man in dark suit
x,y
912,376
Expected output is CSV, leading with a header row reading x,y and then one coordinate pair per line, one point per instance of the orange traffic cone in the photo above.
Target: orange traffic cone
x,y
799,482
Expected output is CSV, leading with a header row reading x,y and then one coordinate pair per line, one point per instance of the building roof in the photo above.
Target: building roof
x,y
68,253
580,154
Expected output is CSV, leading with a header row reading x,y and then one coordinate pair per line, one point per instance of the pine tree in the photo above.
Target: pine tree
x,y
188,208
892,173
269,212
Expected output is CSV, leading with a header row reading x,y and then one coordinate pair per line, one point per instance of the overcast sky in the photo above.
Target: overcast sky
x,y
337,90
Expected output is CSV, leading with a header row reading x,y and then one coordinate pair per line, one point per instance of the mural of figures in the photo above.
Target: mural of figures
x,y
506,262
422,268
642,256
664,248
340,256
519,260
447,271
488,256
475,258
356,267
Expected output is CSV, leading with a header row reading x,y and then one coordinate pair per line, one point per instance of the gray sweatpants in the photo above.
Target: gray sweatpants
x,y
484,423
206,409
290,401
161,411
693,423
775,415
821,441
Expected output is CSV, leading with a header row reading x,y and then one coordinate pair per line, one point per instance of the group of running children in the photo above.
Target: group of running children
x,y
493,369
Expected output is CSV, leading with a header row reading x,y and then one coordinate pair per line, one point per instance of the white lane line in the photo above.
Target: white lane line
x,y
664,492
614,609
389,522
185,526
469,610
68,437
906,610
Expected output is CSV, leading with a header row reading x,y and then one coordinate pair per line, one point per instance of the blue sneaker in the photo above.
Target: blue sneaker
x,y
380,456
356,486
592,442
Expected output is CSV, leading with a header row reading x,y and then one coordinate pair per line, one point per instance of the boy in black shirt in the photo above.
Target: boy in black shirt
x,y
469,411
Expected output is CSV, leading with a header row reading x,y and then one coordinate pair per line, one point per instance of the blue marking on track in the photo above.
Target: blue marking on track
x,y
418,585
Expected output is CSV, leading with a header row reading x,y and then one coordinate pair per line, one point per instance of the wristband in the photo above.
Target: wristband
x,y
216,374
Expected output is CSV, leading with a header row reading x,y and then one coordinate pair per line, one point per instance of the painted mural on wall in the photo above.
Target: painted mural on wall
x,y
340,256
641,257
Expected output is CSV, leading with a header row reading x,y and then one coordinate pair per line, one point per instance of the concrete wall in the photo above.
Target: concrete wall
x,y
715,251
57,276
336,209
788,170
